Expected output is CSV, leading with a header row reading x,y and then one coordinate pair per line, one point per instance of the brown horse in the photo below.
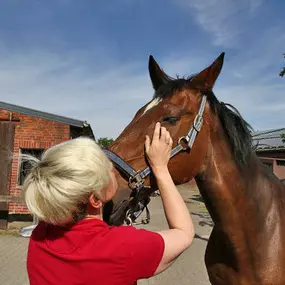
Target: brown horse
x,y
245,200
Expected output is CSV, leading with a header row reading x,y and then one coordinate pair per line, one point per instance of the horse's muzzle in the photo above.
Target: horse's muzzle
x,y
115,216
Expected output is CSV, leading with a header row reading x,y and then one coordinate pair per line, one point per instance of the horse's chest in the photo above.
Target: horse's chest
x,y
222,274
229,265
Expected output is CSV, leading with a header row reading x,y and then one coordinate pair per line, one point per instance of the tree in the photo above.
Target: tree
x,y
105,142
282,73
283,137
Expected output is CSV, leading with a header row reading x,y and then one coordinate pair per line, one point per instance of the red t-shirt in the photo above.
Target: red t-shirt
x,y
91,252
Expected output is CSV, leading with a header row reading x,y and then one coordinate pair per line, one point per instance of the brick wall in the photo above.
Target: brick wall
x,y
31,132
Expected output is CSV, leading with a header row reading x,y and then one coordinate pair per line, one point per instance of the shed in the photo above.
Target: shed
x,y
270,148
29,131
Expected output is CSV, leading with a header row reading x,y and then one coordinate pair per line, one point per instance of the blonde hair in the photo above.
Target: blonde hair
x,y
64,178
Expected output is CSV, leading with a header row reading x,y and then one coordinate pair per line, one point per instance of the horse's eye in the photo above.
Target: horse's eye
x,y
170,119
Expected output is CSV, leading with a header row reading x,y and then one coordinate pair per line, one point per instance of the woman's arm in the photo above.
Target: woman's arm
x,y
180,234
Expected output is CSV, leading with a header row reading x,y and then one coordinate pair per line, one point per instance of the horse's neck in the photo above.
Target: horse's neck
x,y
230,194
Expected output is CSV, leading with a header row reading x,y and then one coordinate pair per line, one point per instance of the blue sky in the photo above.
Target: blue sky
x,y
88,59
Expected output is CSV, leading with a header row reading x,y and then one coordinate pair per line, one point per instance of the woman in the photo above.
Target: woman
x,y
67,190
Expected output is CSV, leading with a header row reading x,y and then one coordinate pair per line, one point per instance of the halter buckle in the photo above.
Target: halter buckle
x,y
198,122
136,182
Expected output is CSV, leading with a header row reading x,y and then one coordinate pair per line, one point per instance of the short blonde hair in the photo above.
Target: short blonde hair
x,y
64,178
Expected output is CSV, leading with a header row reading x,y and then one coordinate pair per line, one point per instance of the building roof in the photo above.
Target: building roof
x,y
40,114
269,140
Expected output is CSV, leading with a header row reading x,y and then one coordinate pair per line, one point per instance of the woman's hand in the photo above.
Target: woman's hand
x,y
158,151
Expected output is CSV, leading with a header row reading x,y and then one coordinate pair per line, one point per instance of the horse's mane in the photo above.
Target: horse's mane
x,y
238,131
236,128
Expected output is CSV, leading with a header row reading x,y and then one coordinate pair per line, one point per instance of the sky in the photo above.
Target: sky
x,y
88,60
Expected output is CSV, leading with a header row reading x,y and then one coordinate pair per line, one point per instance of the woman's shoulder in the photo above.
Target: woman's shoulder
x,y
131,236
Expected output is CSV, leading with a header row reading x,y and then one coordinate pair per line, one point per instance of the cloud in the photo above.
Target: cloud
x,y
251,83
222,19
254,5
69,85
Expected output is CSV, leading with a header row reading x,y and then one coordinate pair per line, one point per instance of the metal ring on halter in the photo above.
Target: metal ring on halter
x,y
145,221
185,141
129,221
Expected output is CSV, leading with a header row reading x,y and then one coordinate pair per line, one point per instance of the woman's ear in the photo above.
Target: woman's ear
x,y
95,202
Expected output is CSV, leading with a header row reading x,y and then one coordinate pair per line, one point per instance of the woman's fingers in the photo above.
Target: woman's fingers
x,y
156,132
147,143
159,149
160,135
163,133
167,137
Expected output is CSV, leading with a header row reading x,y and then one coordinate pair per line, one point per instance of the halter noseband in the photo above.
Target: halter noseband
x,y
136,179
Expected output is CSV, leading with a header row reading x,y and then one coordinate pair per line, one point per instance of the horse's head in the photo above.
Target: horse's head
x,y
175,104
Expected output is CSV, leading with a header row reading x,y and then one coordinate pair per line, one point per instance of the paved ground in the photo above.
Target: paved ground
x,y
188,269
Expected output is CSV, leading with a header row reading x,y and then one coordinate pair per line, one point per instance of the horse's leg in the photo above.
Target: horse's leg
x,y
218,260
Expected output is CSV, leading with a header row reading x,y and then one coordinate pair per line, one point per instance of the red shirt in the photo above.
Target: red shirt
x,y
91,252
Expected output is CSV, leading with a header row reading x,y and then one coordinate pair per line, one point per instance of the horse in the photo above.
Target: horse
x,y
244,199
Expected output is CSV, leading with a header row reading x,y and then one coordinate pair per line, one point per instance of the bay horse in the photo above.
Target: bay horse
x,y
245,200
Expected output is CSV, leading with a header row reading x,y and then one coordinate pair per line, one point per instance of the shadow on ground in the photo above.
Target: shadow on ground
x,y
197,197
205,219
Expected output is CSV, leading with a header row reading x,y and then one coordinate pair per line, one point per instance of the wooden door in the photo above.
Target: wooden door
x,y
7,131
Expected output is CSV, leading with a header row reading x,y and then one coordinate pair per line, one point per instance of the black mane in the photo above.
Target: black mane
x,y
172,85
236,128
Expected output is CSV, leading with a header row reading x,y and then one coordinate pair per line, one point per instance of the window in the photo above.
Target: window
x,y
25,166
280,162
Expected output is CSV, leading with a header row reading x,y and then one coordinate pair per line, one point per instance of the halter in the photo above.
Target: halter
x,y
138,199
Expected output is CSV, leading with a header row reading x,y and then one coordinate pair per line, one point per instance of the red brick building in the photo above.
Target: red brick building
x,y
23,130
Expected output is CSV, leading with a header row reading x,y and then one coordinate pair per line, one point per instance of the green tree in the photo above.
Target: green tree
x,y
105,142
282,73
283,137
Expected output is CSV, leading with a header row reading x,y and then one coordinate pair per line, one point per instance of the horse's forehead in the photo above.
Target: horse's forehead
x,y
152,104
182,96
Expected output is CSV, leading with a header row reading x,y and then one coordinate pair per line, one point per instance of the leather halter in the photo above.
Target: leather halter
x,y
136,179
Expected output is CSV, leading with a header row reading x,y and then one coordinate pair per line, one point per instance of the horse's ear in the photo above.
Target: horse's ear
x,y
207,77
157,75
